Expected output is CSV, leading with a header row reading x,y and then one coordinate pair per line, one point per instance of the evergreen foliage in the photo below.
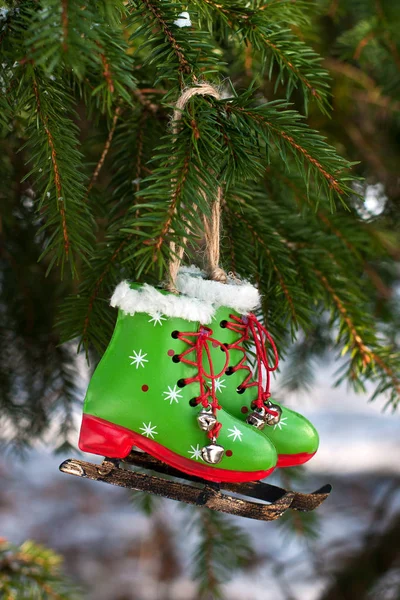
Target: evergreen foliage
x,y
95,183
31,571
222,549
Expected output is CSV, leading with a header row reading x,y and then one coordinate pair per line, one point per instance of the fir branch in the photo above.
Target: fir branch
x,y
303,358
86,316
285,128
65,215
332,181
151,106
184,65
30,571
57,178
98,281
359,332
64,23
106,150
334,6
357,341
6,19
372,41
222,548
211,579
374,276
179,54
97,288
146,122
285,11
391,44
107,72
184,181
364,233
279,51
368,356
374,93
139,156
257,238
296,523
83,40
298,148
176,195
269,34
363,43
360,320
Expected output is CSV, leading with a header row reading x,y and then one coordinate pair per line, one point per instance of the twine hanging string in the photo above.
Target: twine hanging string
x,y
212,225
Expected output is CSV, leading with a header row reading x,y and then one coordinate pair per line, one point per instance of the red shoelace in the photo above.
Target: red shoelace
x,y
198,343
249,328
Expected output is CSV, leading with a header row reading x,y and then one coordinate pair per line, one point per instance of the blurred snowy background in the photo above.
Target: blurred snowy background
x,y
112,549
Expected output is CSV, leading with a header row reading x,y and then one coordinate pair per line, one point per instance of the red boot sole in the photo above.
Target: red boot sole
x,y
294,460
98,436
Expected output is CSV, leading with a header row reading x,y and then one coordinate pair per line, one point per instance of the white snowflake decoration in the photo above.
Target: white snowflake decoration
x,y
157,319
183,20
282,423
235,434
138,358
195,452
173,395
219,384
149,431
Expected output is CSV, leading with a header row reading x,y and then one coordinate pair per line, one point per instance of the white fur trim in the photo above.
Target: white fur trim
x,y
148,300
239,295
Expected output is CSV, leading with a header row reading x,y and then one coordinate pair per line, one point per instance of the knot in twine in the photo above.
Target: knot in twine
x,y
212,225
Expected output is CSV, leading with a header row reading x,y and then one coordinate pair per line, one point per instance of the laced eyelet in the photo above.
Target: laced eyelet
x,y
224,347
240,390
230,371
199,343
223,324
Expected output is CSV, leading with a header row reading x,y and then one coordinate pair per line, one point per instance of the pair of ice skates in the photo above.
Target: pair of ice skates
x,y
175,382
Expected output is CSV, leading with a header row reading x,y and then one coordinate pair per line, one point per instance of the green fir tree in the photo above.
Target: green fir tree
x,y
95,184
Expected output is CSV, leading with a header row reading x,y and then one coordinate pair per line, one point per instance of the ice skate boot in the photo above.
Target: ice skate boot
x,y
156,388
242,395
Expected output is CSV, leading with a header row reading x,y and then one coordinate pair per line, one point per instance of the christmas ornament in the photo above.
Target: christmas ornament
x,y
152,390
241,394
159,384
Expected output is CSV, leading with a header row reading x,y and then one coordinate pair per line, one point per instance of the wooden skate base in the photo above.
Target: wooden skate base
x,y
201,493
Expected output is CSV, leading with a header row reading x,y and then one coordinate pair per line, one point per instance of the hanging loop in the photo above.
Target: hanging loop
x,y
212,225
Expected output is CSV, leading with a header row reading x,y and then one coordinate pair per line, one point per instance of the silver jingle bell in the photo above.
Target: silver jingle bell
x,y
206,419
213,453
257,418
272,419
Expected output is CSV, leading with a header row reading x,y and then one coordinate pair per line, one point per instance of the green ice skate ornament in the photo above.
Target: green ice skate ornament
x,y
151,390
159,388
